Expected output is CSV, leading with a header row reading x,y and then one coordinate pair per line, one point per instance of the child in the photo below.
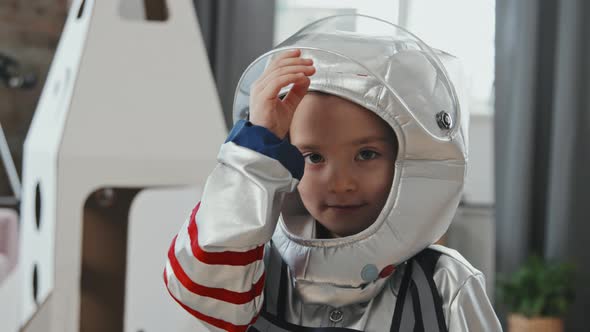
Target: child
x,y
322,211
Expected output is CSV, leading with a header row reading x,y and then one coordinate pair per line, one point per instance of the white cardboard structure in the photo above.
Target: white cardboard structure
x,y
128,104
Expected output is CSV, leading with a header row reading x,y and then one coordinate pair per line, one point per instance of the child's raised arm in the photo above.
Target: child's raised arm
x,y
215,268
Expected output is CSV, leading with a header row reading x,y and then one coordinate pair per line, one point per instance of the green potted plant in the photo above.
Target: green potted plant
x,y
537,295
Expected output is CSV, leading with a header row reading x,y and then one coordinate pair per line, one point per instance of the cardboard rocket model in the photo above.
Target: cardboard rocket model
x,y
126,130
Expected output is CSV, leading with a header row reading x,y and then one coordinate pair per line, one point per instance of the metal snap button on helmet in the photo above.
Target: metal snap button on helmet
x,y
444,120
336,316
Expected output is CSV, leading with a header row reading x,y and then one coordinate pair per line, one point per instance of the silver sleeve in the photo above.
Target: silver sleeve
x,y
237,214
242,199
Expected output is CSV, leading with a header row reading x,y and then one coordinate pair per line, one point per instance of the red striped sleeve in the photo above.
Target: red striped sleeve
x,y
234,258
208,319
216,293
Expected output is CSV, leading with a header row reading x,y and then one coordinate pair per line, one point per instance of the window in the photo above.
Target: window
x,y
464,28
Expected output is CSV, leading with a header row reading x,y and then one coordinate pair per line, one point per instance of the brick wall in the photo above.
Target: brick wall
x,y
29,32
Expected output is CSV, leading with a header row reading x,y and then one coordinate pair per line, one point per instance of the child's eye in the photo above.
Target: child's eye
x,y
313,158
367,155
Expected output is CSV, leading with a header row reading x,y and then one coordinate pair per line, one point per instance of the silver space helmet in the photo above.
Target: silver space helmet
x,y
416,90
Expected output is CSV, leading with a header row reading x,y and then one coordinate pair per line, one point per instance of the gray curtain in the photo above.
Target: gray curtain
x,y
235,33
542,148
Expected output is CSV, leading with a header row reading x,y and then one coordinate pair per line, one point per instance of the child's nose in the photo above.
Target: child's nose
x,y
342,179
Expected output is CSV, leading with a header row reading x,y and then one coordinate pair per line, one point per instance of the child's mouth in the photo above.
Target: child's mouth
x,y
345,208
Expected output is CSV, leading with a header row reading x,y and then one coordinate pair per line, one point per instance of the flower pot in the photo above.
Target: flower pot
x,y
520,323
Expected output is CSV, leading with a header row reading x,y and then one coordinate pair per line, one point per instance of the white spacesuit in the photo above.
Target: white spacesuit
x,y
249,255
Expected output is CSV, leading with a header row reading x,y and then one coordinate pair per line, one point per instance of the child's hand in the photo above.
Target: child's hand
x,y
266,109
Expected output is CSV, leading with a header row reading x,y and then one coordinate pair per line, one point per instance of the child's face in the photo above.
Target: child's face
x,y
349,162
